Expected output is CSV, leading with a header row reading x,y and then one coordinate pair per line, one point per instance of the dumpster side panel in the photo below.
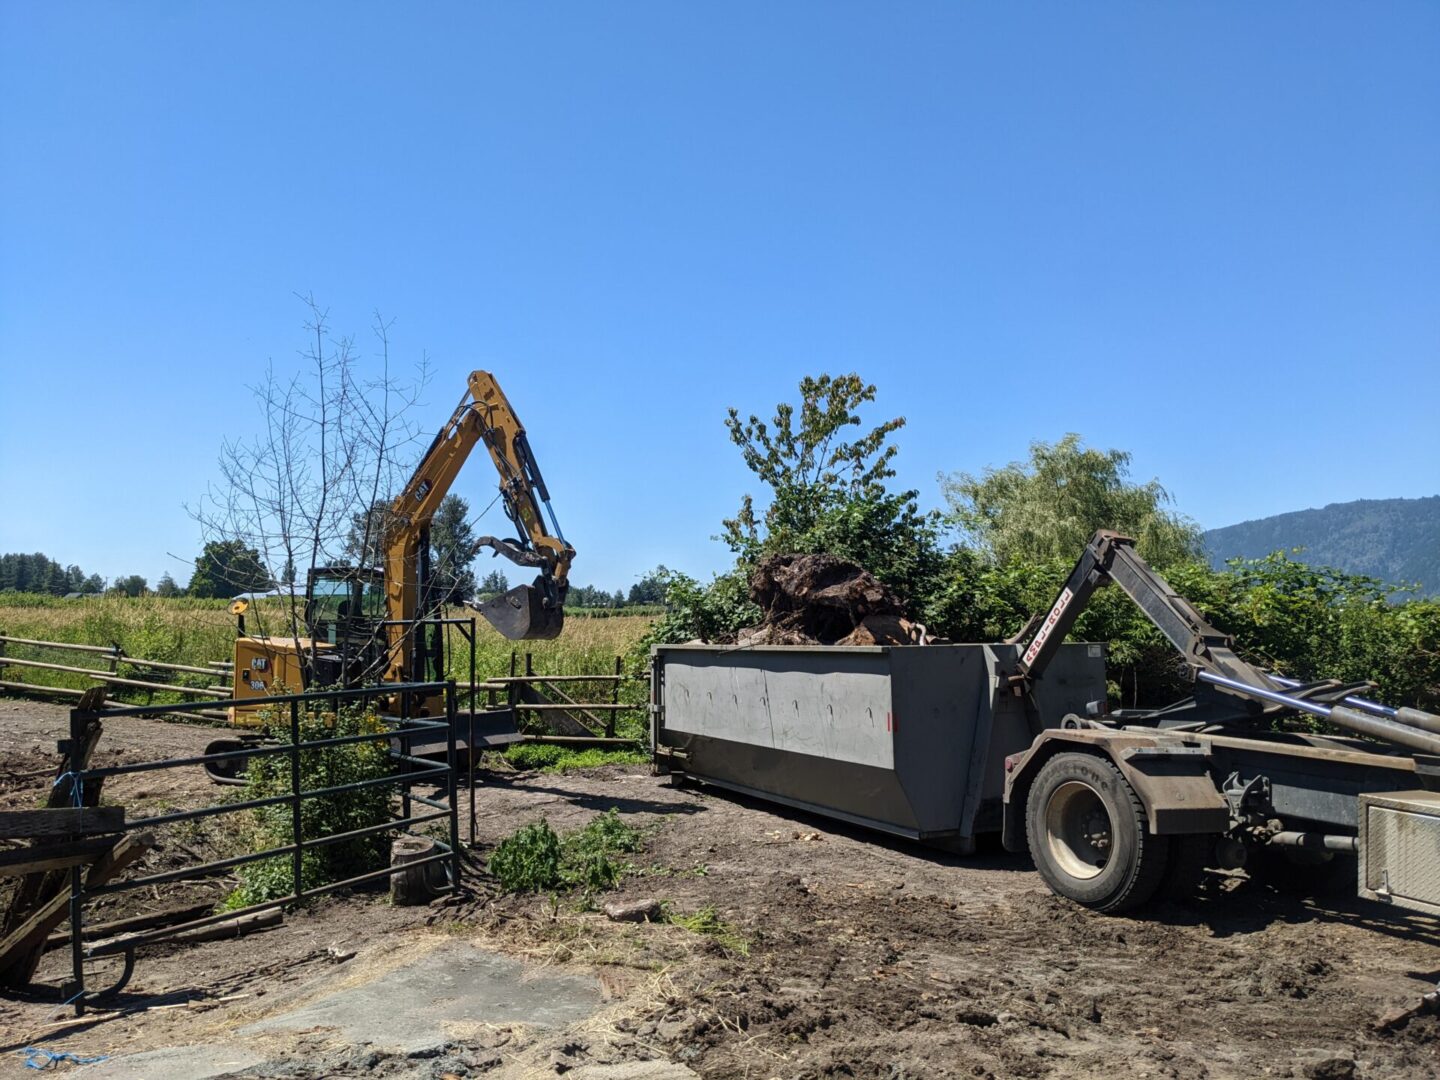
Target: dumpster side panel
x,y
827,705
909,739
941,720
862,794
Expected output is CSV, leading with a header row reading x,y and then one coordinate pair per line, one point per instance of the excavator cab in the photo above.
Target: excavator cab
x,y
345,608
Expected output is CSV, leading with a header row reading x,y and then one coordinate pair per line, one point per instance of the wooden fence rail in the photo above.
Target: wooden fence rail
x,y
543,697
113,656
546,699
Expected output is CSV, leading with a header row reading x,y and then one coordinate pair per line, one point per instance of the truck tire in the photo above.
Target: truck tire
x,y
1086,830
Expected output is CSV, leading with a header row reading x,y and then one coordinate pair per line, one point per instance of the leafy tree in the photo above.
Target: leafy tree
x,y
1050,506
166,586
452,546
493,584
807,466
365,540
227,568
94,584
650,589
131,585
828,493
1306,622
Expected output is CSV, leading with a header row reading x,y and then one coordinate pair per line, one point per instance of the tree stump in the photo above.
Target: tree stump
x,y
411,885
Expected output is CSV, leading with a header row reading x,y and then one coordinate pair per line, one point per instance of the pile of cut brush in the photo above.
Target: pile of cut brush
x,y
825,600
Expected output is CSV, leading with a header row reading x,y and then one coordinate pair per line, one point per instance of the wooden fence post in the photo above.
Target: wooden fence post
x,y
614,698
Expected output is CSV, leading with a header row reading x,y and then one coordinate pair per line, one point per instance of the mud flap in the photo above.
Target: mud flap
x,y
525,613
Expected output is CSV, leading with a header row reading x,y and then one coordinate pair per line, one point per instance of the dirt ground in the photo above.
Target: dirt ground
x,y
837,954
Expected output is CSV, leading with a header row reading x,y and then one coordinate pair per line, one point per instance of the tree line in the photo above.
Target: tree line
x,y
1007,537
226,568
38,573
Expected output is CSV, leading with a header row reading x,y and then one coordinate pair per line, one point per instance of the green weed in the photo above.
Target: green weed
x,y
708,923
554,758
536,859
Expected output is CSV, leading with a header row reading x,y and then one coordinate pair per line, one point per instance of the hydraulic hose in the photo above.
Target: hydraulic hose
x,y
1412,738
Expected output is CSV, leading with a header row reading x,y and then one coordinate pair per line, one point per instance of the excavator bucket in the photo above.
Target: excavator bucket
x,y
524,614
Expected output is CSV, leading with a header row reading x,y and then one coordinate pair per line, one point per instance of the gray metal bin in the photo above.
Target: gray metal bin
x,y
907,739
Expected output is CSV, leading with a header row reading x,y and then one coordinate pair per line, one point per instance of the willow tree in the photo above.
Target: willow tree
x,y
1049,506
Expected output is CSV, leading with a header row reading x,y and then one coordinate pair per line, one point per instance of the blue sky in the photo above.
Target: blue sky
x,y
1207,234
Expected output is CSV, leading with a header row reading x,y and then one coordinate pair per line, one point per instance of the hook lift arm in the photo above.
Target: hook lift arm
x,y
1245,693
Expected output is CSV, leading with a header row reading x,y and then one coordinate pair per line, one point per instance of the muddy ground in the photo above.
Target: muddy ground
x,y
837,954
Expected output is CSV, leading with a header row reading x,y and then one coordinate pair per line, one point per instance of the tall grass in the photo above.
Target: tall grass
x,y
178,631
185,630
585,647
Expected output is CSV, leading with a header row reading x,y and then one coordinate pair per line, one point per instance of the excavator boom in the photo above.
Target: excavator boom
x,y
525,612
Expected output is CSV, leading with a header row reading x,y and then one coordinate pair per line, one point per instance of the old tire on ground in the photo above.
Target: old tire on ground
x,y
1086,830
228,770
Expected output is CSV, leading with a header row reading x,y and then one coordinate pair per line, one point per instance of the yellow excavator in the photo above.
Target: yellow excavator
x,y
364,625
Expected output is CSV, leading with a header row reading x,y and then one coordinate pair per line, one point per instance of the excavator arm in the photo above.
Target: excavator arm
x,y
526,611
484,416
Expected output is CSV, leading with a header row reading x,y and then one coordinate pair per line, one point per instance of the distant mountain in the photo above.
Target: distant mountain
x,y
1396,540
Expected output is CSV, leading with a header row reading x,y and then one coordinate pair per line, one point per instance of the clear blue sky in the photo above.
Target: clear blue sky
x,y
1208,234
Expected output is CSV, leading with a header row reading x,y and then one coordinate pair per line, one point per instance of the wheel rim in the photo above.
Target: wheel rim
x,y
1078,830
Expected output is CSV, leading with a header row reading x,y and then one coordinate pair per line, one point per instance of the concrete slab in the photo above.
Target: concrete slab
x,y
413,1007
635,1070
200,1062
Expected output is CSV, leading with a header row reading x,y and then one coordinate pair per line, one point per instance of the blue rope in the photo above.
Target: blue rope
x,y
77,787
38,1058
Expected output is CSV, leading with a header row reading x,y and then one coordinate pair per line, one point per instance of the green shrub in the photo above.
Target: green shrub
x,y
587,859
321,816
1307,622
529,860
